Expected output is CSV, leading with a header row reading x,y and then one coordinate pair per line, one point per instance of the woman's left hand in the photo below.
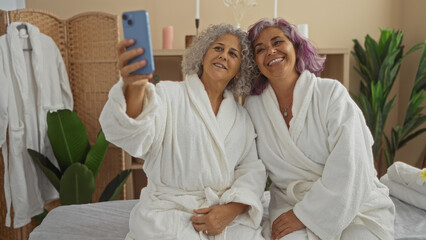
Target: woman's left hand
x,y
215,219
286,223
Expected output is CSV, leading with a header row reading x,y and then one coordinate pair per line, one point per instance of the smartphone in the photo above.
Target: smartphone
x,y
136,26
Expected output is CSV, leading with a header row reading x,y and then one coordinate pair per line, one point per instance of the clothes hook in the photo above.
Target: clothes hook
x,y
22,28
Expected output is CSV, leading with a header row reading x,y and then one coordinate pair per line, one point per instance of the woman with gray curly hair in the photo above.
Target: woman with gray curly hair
x,y
193,61
198,143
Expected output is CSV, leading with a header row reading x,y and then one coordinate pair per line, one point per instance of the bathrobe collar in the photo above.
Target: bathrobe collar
x,y
302,97
219,126
18,59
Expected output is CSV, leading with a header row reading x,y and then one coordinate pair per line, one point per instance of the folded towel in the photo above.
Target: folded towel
x,y
404,193
408,176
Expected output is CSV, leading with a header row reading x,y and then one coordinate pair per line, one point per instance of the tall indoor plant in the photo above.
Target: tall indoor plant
x,y
414,117
79,163
378,67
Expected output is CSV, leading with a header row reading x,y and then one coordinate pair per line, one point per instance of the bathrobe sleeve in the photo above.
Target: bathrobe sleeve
x,y
4,122
249,183
4,90
335,198
136,136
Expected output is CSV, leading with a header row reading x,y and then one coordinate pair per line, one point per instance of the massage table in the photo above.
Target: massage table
x,y
110,221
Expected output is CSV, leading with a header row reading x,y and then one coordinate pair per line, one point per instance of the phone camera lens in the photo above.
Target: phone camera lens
x,y
130,22
124,17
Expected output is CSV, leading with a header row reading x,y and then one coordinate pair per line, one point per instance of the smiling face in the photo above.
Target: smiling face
x,y
222,60
275,55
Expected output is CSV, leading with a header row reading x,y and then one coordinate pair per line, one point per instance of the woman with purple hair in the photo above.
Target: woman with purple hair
x,y
315,144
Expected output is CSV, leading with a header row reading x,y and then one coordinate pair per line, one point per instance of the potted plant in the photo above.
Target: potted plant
x,y
79,163
378,67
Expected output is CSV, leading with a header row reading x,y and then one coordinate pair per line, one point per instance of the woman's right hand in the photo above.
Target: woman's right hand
x,y
126,69
286,223
134,84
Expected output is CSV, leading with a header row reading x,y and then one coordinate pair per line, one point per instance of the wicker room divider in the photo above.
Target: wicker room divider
x,y
87,43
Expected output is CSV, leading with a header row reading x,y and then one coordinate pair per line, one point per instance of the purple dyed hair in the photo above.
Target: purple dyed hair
x,y
307,57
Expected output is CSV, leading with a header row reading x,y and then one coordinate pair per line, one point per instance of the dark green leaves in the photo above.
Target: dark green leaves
x,y
77,185
68,137
96,155
115,186
51,172
79,164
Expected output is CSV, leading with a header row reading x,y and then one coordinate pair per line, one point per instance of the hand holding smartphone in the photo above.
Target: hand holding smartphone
x,y
136,27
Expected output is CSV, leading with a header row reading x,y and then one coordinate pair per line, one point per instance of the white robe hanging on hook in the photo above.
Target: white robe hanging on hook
x,y
32,83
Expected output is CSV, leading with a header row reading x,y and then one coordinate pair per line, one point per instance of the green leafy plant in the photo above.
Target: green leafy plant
x,y
378,67
79,163
400,135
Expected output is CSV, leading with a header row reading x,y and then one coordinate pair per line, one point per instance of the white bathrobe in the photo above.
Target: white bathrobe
x,y
322,166
32,83
193,159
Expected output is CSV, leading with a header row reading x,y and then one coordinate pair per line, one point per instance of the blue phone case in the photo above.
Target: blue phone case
x,y
136,26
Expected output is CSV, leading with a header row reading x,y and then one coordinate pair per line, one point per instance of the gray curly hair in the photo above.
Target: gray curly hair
x,y
194,55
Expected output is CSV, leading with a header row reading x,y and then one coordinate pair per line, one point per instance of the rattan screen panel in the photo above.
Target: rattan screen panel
x,y
92,38
3,22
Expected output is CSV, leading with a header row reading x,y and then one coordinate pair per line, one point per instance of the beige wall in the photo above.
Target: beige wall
x,y
332,24
414,28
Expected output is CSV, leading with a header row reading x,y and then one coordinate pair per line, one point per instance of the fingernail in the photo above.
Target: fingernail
x,y
142,62
139,50
130,41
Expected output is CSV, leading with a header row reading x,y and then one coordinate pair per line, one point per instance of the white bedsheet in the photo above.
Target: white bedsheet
x,y
410,222
96,221
110,221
